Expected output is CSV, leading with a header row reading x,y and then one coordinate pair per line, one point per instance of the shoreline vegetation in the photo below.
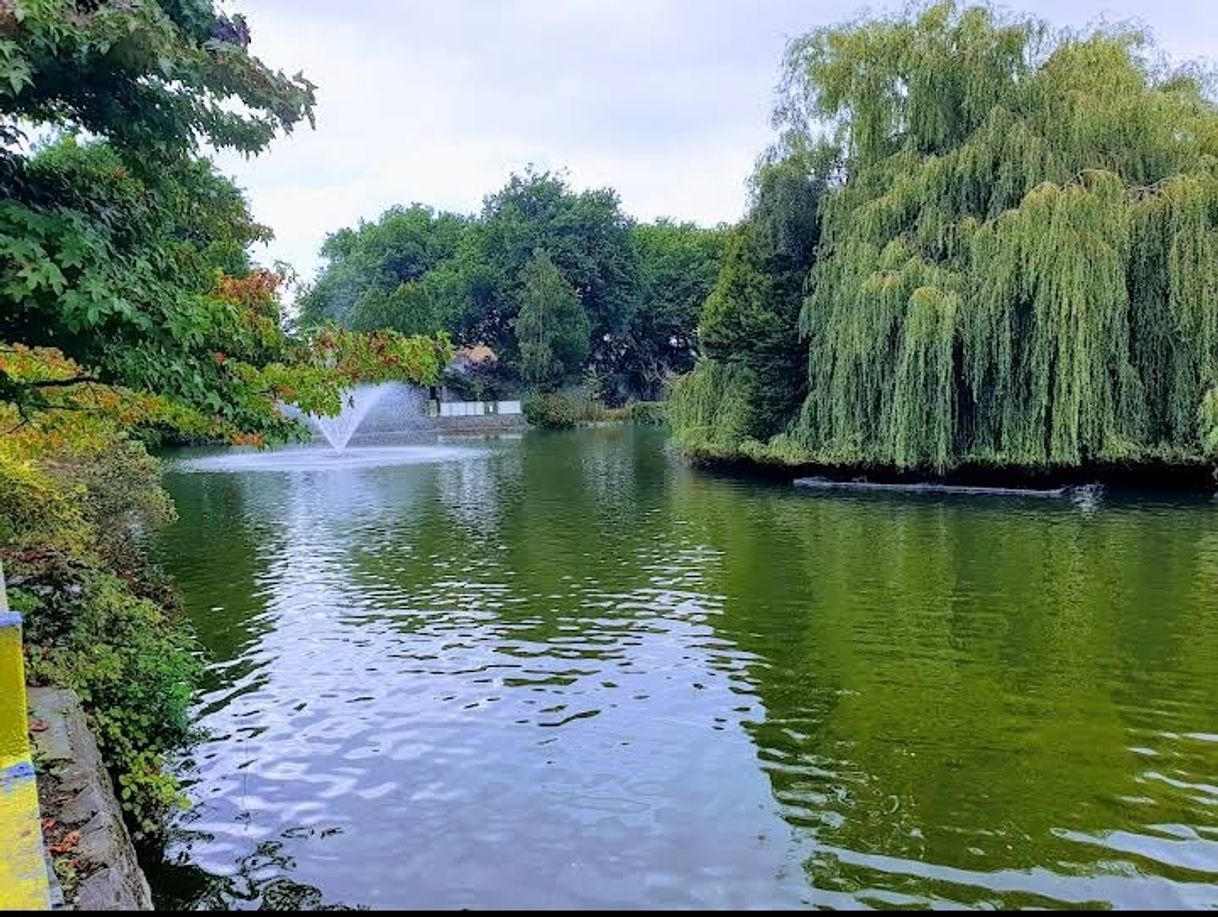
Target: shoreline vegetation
x,y
977,248
566,409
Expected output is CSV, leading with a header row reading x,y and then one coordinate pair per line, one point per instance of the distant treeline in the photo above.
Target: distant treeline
x,y
562,285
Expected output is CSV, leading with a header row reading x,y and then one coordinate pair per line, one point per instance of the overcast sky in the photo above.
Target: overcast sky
x,y
438,101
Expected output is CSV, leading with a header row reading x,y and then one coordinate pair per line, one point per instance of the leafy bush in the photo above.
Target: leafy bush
x,y
560,410
98,618
557,410
129,662
647,412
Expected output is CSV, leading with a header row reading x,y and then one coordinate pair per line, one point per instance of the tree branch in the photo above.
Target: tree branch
x,y
63,383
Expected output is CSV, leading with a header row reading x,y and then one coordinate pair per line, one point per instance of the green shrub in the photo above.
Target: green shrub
x,y
561,410
557,410
99,619
647,412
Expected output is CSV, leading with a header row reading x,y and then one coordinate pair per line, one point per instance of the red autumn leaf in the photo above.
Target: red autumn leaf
x,y
69,842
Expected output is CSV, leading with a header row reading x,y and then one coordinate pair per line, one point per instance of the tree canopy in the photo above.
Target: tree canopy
x,y
678,265
391,273
152,77
127,253
414,270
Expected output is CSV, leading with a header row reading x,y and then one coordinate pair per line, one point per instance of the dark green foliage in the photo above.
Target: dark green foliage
x,y
392,273
551,325
678,265
587,237
415,271
750,381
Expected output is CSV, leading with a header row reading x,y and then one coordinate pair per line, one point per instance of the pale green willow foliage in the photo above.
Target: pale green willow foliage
x,y
1019,263
709,409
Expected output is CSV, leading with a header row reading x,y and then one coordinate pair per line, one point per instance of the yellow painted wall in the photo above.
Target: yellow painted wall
x,y
14,744
23,874
23,877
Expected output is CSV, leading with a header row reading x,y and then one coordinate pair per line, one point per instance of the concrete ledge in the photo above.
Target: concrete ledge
x,y
485,423
76,791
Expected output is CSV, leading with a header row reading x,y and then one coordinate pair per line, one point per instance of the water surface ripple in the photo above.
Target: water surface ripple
x,y
567,671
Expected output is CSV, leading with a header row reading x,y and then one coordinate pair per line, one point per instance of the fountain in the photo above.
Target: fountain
x,y
392,411
357,402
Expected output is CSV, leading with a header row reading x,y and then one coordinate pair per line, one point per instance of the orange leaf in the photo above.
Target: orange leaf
x,y
69,841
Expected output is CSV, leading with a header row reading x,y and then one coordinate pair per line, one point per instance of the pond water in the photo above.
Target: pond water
x,y
566,670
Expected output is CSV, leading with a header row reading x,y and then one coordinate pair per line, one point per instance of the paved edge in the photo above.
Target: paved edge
x,y
67,748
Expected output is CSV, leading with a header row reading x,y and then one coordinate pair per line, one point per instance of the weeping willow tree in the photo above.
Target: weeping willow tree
x,y
1018,262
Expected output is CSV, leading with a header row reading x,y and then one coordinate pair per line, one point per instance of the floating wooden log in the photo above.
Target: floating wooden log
x,y
929,488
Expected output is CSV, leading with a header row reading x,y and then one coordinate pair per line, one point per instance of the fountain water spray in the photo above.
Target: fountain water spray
x,y
357,402
390,411
404,412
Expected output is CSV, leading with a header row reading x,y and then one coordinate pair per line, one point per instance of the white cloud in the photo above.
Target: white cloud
x,y
666,100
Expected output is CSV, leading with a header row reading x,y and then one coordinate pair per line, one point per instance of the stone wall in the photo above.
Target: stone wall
x,y
77,794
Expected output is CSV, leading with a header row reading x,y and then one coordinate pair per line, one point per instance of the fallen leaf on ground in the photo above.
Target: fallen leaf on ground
x,y
69,841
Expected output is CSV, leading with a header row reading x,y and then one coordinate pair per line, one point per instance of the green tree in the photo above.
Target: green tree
x,y
678,265
588,238
379,275
750,380
551,326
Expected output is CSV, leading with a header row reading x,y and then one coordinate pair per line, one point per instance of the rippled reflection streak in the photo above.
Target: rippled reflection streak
x,y
566,671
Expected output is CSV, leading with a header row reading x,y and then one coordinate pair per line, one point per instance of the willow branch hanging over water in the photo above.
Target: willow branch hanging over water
x,y
1018,261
